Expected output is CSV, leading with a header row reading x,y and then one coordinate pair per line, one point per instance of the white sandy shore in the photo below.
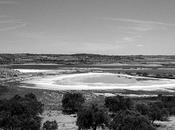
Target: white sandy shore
x,y
76,82
45,71
32,70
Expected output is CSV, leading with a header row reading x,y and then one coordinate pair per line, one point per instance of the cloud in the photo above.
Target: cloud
x,y
7,23
139,26
139,21
132,31
128,39
139,45
13,27
3,16
7,2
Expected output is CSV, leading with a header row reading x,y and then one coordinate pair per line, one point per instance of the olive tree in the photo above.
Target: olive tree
x,y
142,108
71,102
92,116
21,113
130,120
157,111
50,125
118,103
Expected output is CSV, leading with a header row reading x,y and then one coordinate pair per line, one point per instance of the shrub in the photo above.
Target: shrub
x,y
157,112
50,125
169,103
20,113
92,116
130,120
142,108
71,102
118,103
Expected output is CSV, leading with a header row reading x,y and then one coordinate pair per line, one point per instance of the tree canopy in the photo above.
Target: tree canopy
x,y
92,116
157,111
21,113
72,102
130,120
142,108
118,103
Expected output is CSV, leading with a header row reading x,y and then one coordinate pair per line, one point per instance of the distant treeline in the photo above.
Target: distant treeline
x,y
80,59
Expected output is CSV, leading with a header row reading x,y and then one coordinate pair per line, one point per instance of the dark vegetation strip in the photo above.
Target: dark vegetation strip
x,y
114,113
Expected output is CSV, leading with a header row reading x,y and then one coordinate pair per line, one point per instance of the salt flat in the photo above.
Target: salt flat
x,y
31,70
98,81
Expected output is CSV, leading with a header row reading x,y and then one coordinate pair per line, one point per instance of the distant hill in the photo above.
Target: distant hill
x,y
84,59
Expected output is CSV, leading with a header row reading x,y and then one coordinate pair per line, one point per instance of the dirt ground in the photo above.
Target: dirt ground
x,y
65,122
167,125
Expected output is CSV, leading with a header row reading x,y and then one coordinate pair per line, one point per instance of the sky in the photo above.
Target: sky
x,y
114,27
